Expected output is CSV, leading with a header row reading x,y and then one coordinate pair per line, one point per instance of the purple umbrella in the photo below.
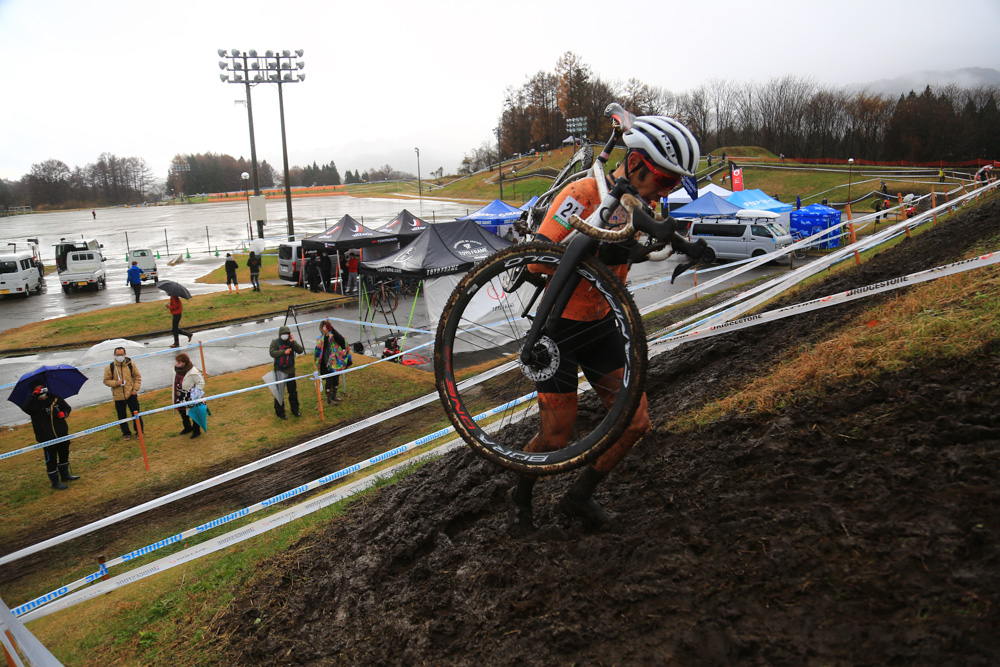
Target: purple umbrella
x,y
61,380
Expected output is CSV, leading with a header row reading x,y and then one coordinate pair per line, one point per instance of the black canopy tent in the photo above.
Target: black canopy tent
x,y
437,258
406,227
349,233
446,247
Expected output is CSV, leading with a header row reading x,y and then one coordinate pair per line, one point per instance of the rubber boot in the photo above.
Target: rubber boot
x,y
579,501
64,473
187,424
196,430
56,484
521,517
335,398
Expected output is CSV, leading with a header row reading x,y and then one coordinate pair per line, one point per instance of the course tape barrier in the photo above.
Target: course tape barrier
x,y
746,301
175,406
960,266
277,457
258,332
27,643
225,540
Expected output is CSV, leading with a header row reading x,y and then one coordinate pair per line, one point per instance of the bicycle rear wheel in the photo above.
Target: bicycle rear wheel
x,y
491,399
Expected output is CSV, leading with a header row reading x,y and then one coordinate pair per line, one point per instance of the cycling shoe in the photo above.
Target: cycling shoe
x,y
588,510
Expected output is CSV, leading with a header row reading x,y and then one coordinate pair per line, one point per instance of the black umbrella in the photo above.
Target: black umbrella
x,y
174,289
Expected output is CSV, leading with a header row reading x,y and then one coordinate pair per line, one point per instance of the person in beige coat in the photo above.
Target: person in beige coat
x,y
123,376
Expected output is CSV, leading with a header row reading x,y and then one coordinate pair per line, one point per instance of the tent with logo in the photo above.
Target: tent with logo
x,y
439,258
497,216
761,201
405,226
814,218
347,234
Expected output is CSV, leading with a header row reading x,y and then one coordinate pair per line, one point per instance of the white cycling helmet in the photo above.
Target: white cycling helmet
x,y
670,145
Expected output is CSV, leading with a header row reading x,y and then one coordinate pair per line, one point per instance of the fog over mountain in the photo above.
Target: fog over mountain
x,y
967,77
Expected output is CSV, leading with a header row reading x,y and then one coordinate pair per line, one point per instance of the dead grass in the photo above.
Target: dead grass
x,y
949,317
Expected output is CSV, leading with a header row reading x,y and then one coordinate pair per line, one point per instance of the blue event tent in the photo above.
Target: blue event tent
x,y
497,216
759,200
526,206
813,218
705,205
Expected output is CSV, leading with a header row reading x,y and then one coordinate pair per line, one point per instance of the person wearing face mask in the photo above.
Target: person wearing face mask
x,y
283,350
48,415
189,384
123,376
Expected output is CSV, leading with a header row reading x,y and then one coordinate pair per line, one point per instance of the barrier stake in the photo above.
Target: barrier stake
x,y
142,439
934,204
319,399
854,238
908,233
201,349
100,561
899,211
695,284
10,660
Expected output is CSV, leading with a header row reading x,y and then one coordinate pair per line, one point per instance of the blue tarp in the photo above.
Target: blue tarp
x,y
814,218
758,200
494,212
707,204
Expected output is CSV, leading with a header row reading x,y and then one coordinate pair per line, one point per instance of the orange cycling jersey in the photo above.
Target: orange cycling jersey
x,y
582,199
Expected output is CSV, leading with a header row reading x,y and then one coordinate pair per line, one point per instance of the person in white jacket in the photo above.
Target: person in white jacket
x,y
188,380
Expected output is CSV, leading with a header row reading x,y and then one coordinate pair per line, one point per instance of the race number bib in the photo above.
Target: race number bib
x,y
567,208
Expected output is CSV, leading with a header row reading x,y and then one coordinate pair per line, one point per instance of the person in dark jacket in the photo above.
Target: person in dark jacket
x,y
326,269
314,274
134,279
231,267
283,350
48,418
253,263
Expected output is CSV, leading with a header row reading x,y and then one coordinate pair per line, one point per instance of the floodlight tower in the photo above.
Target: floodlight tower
x,y
236,69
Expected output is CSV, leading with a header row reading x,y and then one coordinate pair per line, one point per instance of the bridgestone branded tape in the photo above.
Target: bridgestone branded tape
x,y
960,266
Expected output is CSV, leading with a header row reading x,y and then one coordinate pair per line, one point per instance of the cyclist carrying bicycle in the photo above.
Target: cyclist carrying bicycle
x,y
659,152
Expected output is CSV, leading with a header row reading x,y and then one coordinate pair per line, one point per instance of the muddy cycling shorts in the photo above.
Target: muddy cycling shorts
x,y
596,347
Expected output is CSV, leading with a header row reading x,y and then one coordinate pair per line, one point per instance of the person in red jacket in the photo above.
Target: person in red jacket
x,y
352,275
176,310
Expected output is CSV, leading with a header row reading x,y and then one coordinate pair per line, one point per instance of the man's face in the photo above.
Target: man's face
x,y
119,351
651,183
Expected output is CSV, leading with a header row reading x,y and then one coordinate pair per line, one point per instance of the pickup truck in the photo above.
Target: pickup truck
x,y
80,265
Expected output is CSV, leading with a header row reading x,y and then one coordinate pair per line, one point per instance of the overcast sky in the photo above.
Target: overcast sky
x,y
384,76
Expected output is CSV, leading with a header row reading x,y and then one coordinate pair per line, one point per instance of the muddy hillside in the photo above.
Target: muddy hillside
x,y
860,528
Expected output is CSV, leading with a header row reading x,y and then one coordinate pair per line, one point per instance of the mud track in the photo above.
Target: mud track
x,y
860,528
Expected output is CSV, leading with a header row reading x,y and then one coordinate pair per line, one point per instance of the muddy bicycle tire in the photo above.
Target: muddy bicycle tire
x,y
469,342
385,301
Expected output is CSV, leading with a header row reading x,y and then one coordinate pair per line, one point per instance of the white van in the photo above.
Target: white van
x,y
18,274
80,264
290,260
739,239
145,259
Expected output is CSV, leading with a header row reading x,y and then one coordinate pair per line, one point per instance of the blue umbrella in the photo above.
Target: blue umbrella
x,y
62,380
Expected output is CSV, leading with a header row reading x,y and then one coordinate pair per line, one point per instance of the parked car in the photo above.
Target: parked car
x,y
728,238
18,273
80,265
145,259
290,260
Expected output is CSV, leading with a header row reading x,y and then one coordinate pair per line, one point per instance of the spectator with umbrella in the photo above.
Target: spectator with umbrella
x,y
40,394
189,384
176,292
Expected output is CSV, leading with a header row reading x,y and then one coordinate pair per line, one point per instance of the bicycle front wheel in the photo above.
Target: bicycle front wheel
x,y
491,399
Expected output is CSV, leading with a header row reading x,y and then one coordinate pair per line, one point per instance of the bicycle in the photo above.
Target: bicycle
x,y
493,341
383,296
800,252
